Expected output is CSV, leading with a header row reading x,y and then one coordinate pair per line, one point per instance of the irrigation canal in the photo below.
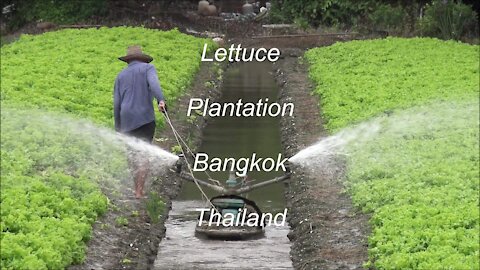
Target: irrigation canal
x,y
232,137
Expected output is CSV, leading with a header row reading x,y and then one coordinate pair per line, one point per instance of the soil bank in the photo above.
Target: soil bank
x,y
327,232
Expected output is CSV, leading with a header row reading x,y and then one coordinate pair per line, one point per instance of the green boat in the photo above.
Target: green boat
x,y
230,216
227,219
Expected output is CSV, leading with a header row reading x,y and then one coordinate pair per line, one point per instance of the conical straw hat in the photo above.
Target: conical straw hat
x,y
135,53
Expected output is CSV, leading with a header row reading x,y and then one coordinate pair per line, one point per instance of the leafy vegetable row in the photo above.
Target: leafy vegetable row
x,y
73,70
360,79
52,166
418,176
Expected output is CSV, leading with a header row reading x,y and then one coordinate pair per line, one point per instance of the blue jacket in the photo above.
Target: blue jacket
x,y
133,93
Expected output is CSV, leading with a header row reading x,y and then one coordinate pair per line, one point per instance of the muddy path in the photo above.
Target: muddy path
x,y
327,232
134,245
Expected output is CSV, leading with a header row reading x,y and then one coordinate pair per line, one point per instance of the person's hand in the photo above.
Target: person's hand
x,y
162,107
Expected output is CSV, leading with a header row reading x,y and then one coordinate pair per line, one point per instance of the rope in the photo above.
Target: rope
x,y
188,149
177,138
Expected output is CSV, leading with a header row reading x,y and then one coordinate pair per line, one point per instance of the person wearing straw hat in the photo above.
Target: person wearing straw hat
x,y
134,90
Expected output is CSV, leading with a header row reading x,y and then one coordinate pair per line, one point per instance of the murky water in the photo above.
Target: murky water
x,y
232,137
182,250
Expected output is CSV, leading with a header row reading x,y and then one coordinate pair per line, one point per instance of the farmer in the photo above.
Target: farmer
x,y
135,87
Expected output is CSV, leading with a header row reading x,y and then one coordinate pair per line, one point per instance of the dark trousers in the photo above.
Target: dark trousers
x,y
144,133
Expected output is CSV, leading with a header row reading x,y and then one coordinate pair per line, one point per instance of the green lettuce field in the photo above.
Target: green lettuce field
x,y
50,180
419,177
73,70
360,79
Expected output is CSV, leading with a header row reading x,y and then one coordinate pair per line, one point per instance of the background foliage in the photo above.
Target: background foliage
x,y
448,20
430,18
328,12
56,11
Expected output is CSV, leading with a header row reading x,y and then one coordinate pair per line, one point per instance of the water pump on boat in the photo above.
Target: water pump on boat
x,y
229,203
